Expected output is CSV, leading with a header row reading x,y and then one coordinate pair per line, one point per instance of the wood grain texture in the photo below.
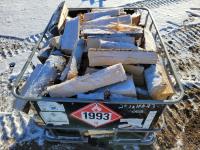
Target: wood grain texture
x,y
107,20
105,57
89,82
103,44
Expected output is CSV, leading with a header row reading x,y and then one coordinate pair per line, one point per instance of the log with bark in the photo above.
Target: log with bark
x,y
103,44
70,36
42,76
104,57
71,70
89,82
158,83
98,14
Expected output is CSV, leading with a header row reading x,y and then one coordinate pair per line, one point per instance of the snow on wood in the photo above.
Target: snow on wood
x,y
42,76
47,74
63,16
70,36
137,72
136,18
20,104
149,40
98,14
89,82
105,57
125,88
104,21
114,38
73,65
55,42
158,84
102,44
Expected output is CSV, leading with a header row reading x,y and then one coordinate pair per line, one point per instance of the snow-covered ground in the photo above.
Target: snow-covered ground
x,y
23,18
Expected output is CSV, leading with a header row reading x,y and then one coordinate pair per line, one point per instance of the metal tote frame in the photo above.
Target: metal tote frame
x,y
149,133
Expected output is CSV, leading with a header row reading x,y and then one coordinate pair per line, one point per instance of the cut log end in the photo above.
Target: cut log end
x,y
158,84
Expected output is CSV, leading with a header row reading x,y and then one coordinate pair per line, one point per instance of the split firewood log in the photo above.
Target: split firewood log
x,y
136,18
157,81
63,16
107,20
70,36
102,44
113,38
114,30
59,18
71,70
99,57
98,14
125,88
88,82
137,72
149,42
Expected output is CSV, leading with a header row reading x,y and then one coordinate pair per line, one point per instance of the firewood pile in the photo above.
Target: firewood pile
x,y
102,54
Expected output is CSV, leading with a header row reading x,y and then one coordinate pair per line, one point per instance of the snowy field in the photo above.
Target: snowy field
x,y
179,24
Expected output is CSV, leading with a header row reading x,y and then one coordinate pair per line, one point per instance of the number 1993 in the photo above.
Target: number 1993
x,y
98,116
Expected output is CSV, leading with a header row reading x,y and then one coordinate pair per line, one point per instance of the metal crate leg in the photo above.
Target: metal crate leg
x,y
51,137
148,139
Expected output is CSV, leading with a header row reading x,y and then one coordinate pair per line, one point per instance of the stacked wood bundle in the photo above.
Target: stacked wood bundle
x,y
104,54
